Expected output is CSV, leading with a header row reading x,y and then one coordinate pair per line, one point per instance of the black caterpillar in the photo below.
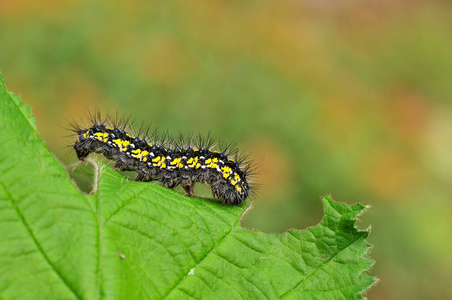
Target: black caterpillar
x,y
171,162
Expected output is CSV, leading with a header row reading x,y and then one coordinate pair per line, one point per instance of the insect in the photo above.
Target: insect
x,y
184,161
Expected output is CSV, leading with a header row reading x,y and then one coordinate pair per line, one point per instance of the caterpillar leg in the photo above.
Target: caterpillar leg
x,y
188,186
82,153
122,166
169,183
143,177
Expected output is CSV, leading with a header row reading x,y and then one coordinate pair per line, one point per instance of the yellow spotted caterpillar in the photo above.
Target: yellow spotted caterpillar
x,y
172,162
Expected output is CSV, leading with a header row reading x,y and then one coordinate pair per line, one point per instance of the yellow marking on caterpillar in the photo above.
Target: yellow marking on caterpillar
x,y
192,162
101,136
211,163
86,135
176,162
122,144
159,161
235,180
238,188
138,153
198,165
226,171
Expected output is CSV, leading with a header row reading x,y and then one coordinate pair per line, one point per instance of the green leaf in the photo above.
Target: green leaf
x,y
135,240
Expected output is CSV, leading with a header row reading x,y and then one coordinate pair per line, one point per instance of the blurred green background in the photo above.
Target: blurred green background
x,y
340,97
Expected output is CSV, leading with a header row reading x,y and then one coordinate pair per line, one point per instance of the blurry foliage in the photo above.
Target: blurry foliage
x,y
349,98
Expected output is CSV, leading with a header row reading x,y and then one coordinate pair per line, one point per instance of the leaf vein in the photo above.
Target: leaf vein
x,y
36,242
318,269
198,263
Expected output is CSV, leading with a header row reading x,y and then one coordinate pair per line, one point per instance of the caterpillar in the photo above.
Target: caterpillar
x,y
173,162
